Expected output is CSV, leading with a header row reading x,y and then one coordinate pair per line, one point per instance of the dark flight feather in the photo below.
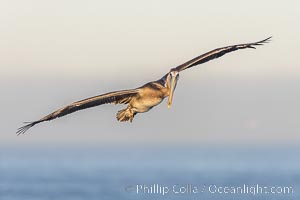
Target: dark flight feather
x,y
216,53
118,97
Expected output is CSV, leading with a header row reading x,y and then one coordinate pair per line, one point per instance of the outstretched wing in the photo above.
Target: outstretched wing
x,y
218,53
118,97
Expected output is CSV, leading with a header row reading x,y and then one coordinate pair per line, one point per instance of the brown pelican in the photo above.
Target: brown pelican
x,y
143,98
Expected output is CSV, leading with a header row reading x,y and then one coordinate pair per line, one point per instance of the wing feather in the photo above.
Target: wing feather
x,y
118,97
216,53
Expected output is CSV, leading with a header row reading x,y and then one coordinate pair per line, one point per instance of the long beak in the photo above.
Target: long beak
x,y
172,88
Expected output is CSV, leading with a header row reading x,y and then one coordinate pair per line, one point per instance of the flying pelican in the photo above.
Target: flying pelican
x,y
143,98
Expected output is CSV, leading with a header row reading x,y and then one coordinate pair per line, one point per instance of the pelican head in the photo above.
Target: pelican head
x,y
171,83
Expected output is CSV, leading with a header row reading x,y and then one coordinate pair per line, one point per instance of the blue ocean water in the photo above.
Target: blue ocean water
x,y
188,173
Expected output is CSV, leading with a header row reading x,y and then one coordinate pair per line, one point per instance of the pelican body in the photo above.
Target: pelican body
x,y
150,95
143,98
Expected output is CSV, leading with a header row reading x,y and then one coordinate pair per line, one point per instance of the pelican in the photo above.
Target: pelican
x,y
143,98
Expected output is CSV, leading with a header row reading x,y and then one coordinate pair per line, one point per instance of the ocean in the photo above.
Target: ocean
x,y
114,173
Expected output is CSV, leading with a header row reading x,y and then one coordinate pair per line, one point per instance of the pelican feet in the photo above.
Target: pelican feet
x,y
125,115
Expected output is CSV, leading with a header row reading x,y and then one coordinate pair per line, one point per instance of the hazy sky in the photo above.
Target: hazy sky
x,y
57,52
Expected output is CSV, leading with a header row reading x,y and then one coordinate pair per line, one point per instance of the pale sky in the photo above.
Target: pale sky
x,y
56,52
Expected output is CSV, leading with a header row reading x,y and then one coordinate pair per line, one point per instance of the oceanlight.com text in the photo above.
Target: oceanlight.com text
x,y
189,189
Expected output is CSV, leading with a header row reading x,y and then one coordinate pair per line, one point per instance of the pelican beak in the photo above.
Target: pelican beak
x,y
172,88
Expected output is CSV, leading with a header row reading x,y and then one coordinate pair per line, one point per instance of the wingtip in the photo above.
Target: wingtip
x,y
262,42
266,40
23,129
269,37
